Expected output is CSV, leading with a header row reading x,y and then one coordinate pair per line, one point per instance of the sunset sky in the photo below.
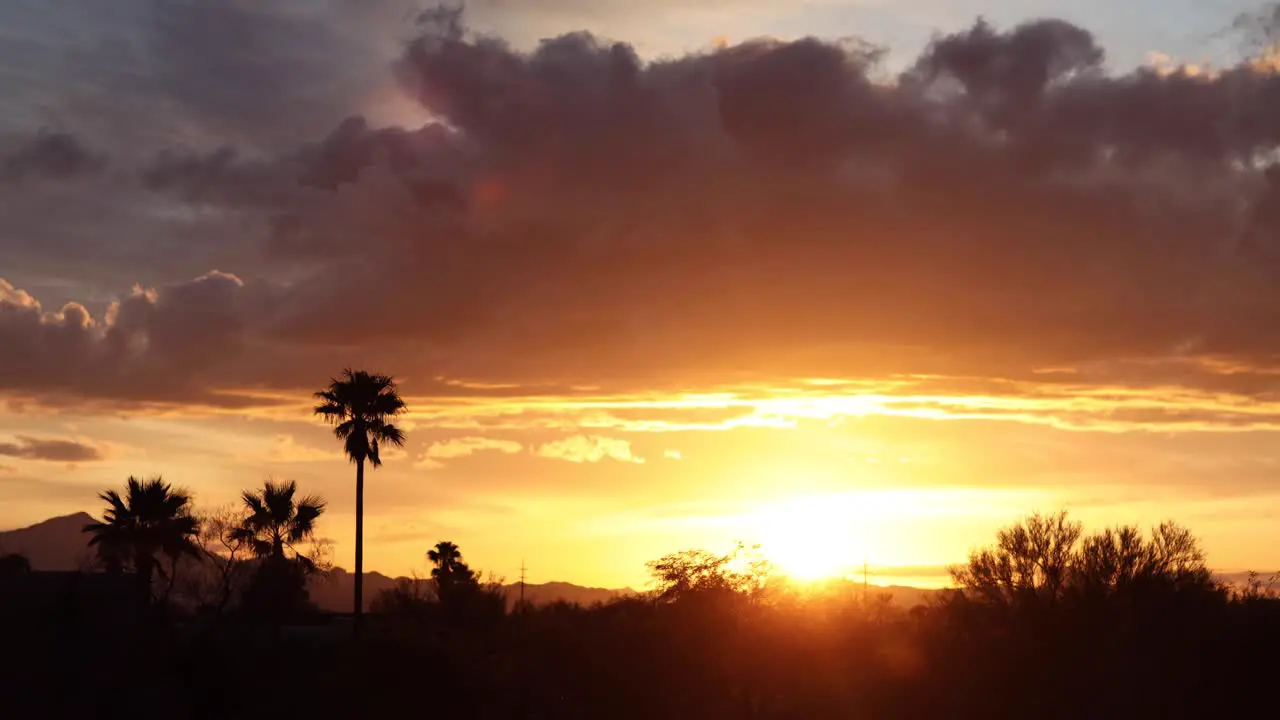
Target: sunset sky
x,y
667,286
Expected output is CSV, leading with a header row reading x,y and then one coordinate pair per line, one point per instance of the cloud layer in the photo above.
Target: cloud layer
x,y
454,448
577,215
590,449
65,450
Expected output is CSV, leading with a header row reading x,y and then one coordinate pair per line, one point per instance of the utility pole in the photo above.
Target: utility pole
x,y
522,569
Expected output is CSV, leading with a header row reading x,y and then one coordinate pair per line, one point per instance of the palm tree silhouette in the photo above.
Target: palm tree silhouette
x,y
150,519
360,406
276,521
454,579
447,559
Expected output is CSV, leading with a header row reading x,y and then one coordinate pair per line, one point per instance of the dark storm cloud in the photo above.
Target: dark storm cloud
x,y
51,449
577,213
1004,197
50,155
151,344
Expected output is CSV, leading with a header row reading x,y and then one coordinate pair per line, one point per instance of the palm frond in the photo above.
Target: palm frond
x,y
345,429
253,503
151,517
386,432
387,403
278,499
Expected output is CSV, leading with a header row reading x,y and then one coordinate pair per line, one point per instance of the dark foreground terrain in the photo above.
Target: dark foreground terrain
x,y
1046,623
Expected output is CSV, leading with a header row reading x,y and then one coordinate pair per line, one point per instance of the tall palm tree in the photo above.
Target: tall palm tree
x,y
151,519
276,521
361,406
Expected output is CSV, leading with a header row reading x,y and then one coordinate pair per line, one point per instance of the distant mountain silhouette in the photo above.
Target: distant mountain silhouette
x,y
333,591
57,544
904,596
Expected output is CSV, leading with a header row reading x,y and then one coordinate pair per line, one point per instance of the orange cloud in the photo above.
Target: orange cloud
x,y
287,449
589,448
463,447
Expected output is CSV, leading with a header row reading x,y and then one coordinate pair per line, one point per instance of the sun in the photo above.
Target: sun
x,y
811,538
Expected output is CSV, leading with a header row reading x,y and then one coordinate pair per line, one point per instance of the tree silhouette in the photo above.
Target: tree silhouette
x,y
1046,559
151,519
448,562
275,521
226,549
1031,560
361,406
743,571
1122,560
14,564
451,574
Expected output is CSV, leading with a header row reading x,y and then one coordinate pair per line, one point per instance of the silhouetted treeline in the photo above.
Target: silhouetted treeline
x,y
1048,622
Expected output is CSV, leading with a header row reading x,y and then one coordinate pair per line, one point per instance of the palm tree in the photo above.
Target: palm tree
x,y
452,575
447,559
152,518
276,521
360,406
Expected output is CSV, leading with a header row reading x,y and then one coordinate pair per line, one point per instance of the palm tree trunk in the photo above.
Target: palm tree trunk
x,y
143,565
359,586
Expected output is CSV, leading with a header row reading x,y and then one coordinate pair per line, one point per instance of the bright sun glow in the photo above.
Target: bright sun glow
x,y
814,537
829,535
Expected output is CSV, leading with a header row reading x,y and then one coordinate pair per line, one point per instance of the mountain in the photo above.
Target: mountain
x,y
56,544
903,596
334,590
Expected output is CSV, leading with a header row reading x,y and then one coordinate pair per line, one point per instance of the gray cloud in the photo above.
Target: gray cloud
x,y
578,214
25,447
52,155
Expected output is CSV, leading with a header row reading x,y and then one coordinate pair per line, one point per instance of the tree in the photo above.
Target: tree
x,y
465,602
151,519
1046,559
1121,560
451,574
225,548
700,572
1031,561
448,562
14,565
360,406
275,522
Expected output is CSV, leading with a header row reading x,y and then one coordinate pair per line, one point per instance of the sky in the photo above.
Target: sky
x,y
858,281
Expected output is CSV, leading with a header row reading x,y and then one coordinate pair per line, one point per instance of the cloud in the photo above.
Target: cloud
x,y
576,214
163,344
287,449
50,155
65,450
673,454
589,449
463,447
